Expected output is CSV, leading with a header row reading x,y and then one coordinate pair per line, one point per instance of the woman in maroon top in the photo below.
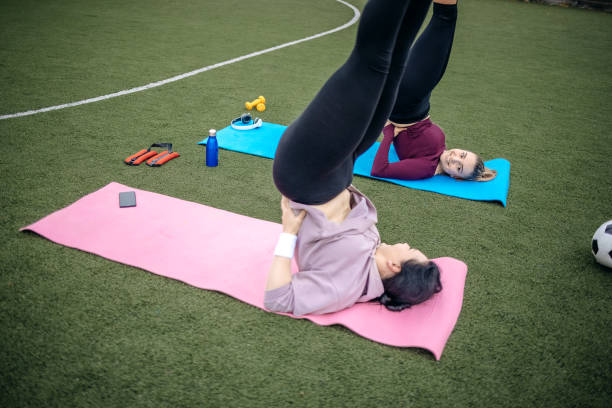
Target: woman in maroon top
x,y
420,143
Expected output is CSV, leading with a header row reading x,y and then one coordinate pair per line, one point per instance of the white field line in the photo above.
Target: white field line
x,y
188,74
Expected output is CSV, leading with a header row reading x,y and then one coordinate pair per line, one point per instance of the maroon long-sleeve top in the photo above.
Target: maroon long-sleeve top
x,y
418,148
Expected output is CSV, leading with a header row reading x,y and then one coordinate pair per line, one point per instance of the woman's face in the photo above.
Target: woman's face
x,y
400,253
458,163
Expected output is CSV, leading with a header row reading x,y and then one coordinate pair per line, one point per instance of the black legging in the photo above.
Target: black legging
x,y
426,64
315,156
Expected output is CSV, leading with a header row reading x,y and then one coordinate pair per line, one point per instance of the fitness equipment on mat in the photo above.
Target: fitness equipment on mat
x,y
246,122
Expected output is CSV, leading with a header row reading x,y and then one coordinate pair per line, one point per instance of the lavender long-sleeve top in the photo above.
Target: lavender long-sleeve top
x,y
336,266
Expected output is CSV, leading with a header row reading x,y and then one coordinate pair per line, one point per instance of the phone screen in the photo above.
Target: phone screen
x,y
127,199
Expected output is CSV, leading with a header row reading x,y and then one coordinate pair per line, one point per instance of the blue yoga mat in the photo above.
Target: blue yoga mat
x,y
262,142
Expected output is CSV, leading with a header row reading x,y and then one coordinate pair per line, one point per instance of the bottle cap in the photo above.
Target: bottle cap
x,y
212,132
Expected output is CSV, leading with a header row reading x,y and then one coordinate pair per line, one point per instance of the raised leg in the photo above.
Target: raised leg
x,y
315,157
426,64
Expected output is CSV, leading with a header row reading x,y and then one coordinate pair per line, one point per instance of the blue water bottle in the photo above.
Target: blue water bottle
x,y
212,149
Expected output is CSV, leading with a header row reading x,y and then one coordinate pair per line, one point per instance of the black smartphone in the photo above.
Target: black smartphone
x,y
127,199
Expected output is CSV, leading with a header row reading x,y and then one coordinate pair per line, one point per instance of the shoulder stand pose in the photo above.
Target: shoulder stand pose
x,y
420,143
339,254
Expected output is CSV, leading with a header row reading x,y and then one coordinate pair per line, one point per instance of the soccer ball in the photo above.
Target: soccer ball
x,y
602,244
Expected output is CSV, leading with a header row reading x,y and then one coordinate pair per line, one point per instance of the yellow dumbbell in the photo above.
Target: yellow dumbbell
x,y
258,103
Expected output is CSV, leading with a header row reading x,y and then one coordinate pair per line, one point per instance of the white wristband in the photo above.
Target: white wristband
x,y
285,245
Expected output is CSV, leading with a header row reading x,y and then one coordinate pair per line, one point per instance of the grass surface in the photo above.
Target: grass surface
x,y
525,82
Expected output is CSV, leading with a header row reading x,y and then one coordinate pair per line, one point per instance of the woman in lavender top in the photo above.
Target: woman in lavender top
x,y
340,257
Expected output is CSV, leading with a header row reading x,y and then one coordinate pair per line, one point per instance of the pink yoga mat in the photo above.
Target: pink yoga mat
x,y
218,250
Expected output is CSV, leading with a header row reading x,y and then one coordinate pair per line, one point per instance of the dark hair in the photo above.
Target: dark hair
x,y
479,168
414,284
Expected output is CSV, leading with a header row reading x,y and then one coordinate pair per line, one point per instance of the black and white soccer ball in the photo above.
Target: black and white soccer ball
x,y
602,244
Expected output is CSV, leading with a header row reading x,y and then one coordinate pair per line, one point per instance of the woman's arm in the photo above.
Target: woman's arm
x,y
309,291
407,169
279,273
280,270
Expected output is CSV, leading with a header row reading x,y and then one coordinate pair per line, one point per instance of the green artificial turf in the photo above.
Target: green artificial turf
x,y
526,82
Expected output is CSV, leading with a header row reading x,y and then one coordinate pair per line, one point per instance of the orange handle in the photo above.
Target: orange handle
x,y
144,157
156,157
143,151
166,158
